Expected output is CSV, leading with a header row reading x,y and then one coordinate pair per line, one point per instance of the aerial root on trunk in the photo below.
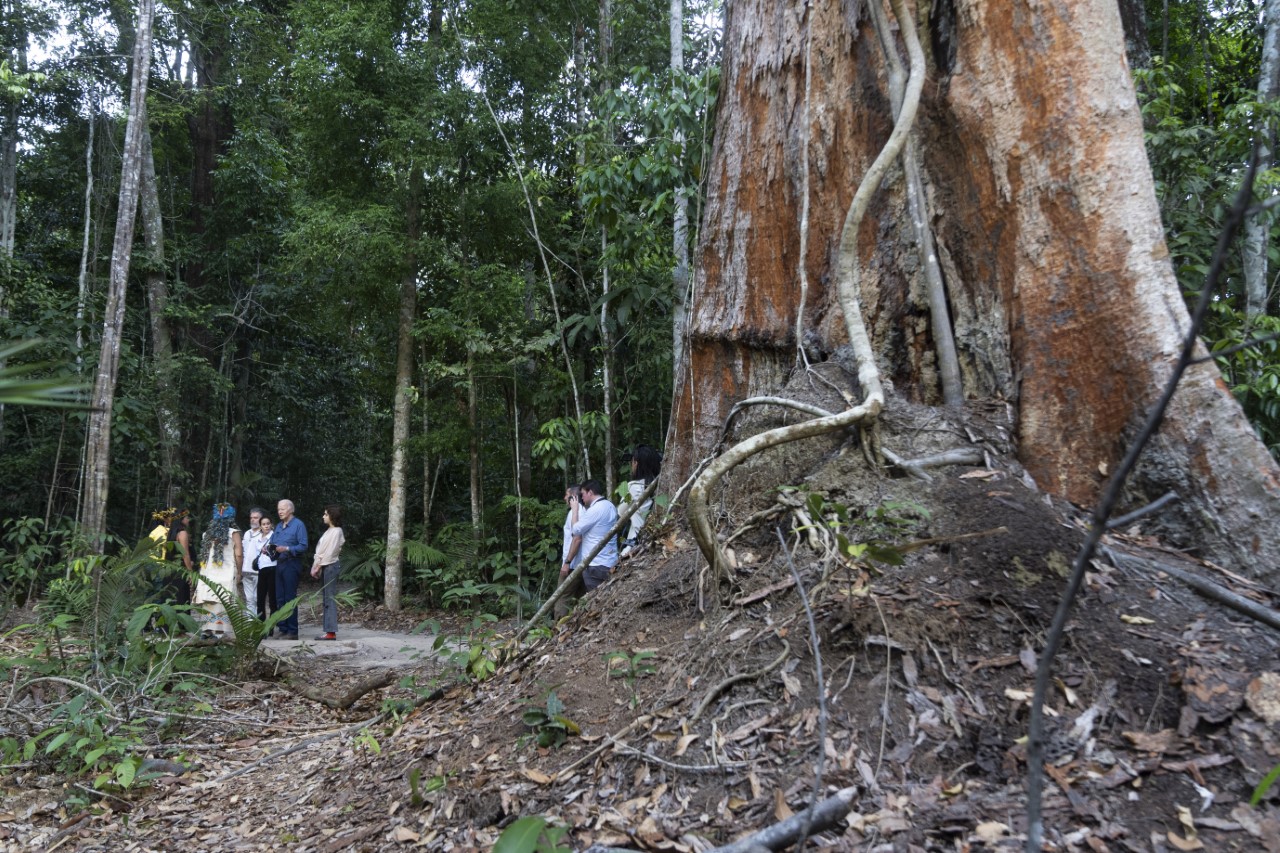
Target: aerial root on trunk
x,y
864,414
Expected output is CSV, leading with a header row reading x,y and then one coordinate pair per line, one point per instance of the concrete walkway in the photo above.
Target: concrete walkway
x,y
361,648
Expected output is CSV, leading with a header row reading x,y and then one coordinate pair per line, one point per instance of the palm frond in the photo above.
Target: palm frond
x,y
21,386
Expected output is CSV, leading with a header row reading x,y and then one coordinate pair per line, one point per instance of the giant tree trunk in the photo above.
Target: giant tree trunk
x,y
93,512
1063,298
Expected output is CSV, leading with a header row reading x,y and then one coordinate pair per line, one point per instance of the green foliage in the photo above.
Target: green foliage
x,y
31,555
534,834
28,384
418,789
870,535
546,717
630,668
119,662
249,630
1253,372
1264,787
476,655
1201,120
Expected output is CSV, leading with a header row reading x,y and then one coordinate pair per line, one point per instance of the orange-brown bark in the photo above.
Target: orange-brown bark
x,y
1061,292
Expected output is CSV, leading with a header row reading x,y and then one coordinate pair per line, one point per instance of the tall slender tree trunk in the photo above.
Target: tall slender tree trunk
x,y
402,406
98,462
82,293
606,333
1258,227
680,218
9,169
473,447
1063,297
161,336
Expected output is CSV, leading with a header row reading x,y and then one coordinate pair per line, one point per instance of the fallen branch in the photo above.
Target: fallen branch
x,y
825,815
1158,504
1208,589
350,697
662,762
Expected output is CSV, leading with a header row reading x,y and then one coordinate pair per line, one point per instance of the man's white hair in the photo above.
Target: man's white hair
x,y
288,503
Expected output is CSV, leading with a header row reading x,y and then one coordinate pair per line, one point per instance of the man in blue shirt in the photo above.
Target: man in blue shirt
x,y
593,524
290,543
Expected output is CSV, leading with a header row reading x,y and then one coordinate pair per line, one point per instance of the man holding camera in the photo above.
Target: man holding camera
x,y
594,523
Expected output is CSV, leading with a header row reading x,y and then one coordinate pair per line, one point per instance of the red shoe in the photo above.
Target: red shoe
x,y
328,636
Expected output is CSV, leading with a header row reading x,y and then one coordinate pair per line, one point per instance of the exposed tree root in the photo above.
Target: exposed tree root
x,y
917,208
915,467
737,679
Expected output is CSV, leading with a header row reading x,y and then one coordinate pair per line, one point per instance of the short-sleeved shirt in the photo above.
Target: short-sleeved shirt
x,y
252,544
597,520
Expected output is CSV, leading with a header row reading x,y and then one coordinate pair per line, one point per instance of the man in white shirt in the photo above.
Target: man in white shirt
x,y
253,541
594,523
573,506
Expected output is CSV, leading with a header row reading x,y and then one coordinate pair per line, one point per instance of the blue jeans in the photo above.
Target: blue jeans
x,y
287,572
329,594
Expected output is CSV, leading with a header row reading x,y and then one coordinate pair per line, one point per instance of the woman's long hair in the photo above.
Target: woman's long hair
x,y
648,463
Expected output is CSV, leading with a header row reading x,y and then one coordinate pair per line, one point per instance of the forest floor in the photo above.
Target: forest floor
x,y
1164,715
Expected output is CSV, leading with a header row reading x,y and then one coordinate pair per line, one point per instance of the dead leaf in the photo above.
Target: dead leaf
x,y
684,743
991,831
1263,697
781,810
980,474
1136,620
1183,843
537,776
791,683
403,834
1161,741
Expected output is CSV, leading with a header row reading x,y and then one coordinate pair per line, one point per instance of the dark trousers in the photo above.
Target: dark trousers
x,y
266,603
287,572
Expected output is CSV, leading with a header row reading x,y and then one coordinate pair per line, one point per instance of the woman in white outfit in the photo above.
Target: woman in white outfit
x,y
222,556
646,463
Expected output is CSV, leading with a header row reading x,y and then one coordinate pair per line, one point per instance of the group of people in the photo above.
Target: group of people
x,y
263,565
590,518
